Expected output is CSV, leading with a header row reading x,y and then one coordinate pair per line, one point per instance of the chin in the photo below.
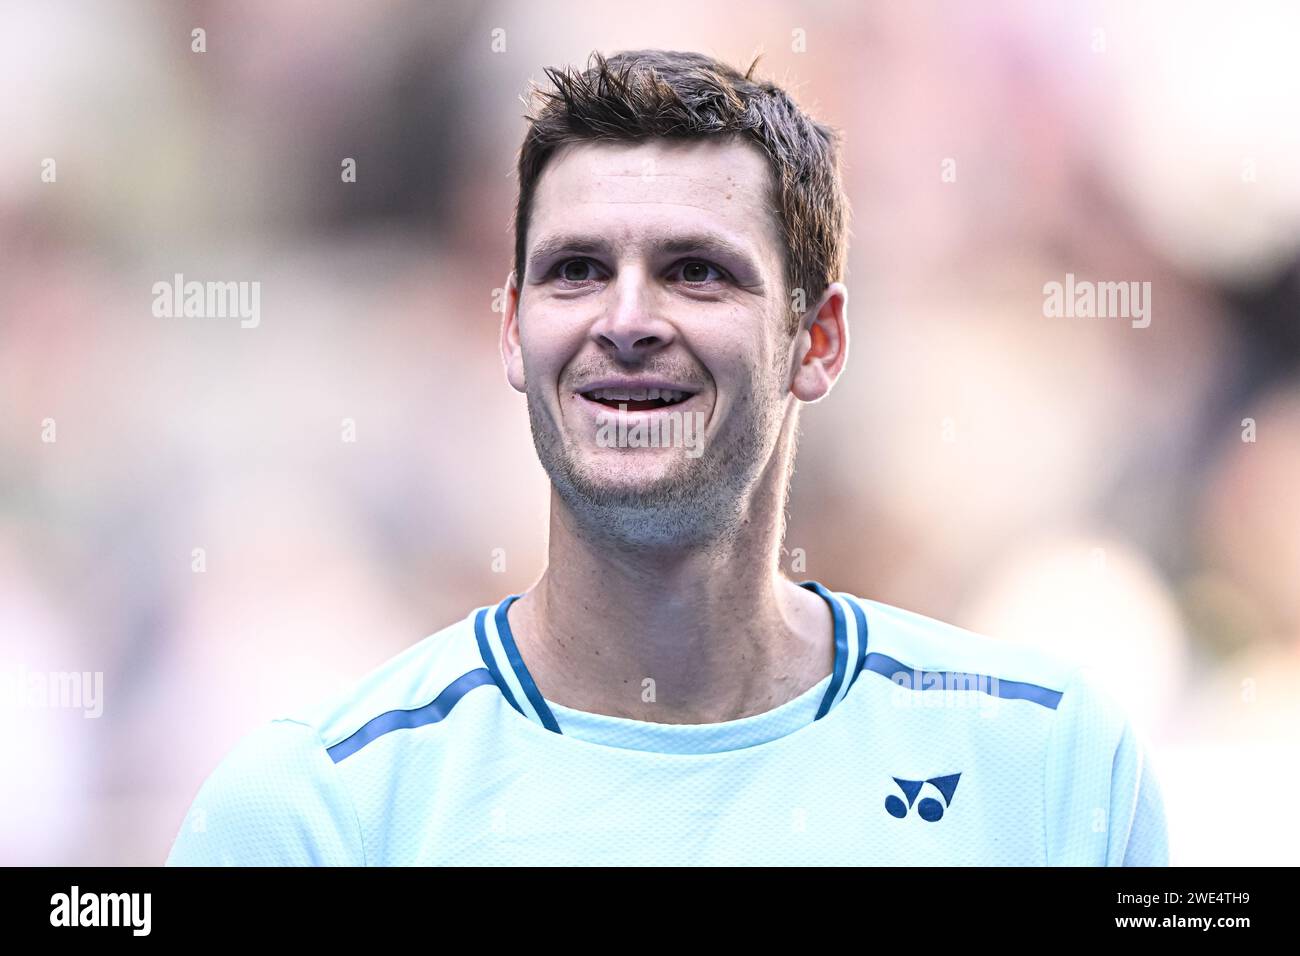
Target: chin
x,y
625,487
627,470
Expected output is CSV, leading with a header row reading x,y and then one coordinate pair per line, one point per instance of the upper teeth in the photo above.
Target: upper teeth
x,y
637,394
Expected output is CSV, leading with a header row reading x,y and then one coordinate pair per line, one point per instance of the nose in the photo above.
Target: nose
x,y
633,326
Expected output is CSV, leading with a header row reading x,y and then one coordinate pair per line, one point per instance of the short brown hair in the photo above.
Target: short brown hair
x,y
636,95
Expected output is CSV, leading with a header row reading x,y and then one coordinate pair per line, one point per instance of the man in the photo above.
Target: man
x,y
663,694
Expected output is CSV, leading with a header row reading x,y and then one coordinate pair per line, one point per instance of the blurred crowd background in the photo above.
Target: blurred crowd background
x,y
202,532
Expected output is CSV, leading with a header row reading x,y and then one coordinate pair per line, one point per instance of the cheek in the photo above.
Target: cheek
x,y
737,361
547,346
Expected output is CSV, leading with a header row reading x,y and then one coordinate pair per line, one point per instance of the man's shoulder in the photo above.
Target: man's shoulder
x,y
901,641
1086,721
276,797
408,685
1081,723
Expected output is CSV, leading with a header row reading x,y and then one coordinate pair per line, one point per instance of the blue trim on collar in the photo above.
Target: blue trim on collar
x,y
517,665
480,634
841,648
861,617
844,669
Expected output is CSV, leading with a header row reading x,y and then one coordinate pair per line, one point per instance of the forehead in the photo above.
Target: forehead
x,y
625,190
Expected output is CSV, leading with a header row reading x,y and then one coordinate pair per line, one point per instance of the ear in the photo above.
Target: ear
x,y
822,345
512,352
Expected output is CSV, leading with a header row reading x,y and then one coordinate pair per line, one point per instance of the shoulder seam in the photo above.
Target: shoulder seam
x,y
1072,678
1049,692
343,784
344,704
409,717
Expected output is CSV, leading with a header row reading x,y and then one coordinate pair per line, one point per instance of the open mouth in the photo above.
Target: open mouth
x,y
637,399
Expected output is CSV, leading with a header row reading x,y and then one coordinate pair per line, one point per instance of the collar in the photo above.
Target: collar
x,y
501,656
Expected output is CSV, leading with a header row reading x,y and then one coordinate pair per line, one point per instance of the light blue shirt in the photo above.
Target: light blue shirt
x,y
926,745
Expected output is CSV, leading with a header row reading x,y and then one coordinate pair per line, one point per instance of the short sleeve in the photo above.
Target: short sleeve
x,y
1103,803
1139,835
275,800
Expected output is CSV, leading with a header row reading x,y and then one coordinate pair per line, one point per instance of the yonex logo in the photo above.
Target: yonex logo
x,y
929,809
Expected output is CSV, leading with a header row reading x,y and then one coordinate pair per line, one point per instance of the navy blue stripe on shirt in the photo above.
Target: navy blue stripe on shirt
x,y
430,713
480,635
841,647
861,617
516,661
886,666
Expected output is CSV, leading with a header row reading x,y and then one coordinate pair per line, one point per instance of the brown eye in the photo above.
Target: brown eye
x,y
576,270
695,272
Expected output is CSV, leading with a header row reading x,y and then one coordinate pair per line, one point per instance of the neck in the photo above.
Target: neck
x,y
697,634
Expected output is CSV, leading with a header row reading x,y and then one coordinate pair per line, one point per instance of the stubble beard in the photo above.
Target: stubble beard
x,y
694,501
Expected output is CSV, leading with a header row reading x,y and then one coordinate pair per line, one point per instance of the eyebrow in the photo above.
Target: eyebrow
x,y
706,244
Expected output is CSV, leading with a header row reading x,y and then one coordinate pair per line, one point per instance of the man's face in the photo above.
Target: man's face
x,y
652,264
